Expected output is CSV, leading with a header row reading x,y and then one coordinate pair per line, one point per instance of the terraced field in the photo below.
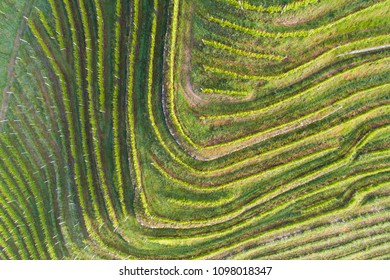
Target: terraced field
x,y
204,129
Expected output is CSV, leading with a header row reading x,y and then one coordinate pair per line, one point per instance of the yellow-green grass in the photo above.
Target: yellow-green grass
x,y
197,130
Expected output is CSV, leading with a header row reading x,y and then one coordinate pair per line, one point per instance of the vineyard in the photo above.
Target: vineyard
x,y
203,129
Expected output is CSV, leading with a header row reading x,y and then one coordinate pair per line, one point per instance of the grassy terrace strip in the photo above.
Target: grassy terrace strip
x,y
115,101
221,91
84,144
150,106
270,9
66,101
242,116
161,141
221,46
130,107
70,123
39,163
93,118
192,240
255,32
171,72
172,129
92,216
54,158
309,41
100,65
324,60
26,178
303,33
45,23
327,218
48,155
275,131
344,103
287,188
58,24
310,238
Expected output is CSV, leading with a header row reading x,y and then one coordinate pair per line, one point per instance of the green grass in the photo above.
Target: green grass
x,y
194,129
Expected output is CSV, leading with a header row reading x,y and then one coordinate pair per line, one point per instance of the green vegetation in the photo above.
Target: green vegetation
x,y
207,129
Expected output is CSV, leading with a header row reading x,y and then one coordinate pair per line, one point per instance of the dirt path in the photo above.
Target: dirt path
x,y
367,50
191,95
